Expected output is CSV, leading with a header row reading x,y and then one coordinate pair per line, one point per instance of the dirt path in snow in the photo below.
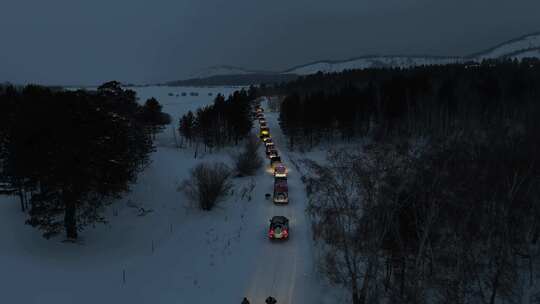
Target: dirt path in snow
x,y
285,269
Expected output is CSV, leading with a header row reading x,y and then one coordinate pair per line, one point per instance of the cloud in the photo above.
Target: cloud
x,y
73,42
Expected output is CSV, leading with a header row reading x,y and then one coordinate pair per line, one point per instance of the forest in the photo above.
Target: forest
x,y
428,101
225,122
68,154
436,200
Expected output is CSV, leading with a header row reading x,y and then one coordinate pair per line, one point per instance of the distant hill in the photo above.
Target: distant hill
x,y
235,79
366,62
519,48
511,48
221,70
525,46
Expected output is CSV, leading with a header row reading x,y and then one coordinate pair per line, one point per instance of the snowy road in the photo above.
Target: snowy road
x,y
285,270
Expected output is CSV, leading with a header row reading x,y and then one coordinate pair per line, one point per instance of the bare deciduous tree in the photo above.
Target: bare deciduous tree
x,y
352,215
208,184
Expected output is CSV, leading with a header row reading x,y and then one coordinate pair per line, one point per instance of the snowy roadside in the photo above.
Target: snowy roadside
x,y
165,250
157,248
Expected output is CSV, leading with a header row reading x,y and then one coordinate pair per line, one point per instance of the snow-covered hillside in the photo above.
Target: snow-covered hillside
x,y
526,46
219,71
371,62
512,47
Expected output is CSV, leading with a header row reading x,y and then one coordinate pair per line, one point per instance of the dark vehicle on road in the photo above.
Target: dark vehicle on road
x,y
268,141
281,191
279,228
272,153
270,149
275,160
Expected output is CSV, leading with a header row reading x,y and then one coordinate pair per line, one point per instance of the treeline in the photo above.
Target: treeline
x,y
67,154
225,122
423,101
443,205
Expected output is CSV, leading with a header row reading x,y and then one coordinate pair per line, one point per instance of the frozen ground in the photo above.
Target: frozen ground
x,y
175,253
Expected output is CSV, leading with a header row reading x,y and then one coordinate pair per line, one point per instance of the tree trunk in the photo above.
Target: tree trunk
x,y
388,273
21,198
365,287
402,283
355,293
495,287
70,216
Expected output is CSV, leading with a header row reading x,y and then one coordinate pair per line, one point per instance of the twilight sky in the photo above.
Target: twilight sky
x,y
89,42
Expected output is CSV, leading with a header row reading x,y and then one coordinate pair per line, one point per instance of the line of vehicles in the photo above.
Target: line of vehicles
x,y
279,225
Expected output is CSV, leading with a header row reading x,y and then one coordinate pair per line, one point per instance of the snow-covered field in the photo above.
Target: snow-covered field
x,y
175,253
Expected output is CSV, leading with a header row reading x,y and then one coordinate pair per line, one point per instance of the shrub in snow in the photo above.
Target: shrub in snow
x,y
208,184
249,161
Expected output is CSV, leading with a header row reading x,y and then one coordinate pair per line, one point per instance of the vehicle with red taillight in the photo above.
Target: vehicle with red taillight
x,y
281,191
279,228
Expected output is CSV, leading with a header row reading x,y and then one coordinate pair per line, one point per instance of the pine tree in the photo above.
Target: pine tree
x,y
80,152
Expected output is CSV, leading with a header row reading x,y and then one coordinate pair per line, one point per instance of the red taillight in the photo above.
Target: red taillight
x,y
285,233
271,233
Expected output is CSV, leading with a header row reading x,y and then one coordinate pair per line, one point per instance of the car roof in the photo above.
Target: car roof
x,y
279,219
